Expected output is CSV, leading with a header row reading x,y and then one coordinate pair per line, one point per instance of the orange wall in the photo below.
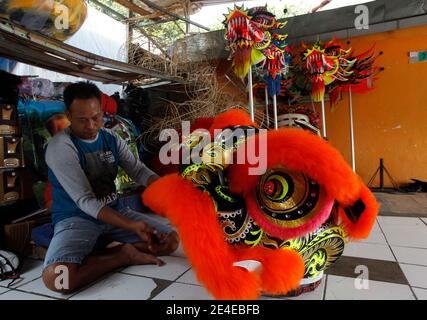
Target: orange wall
x,y
390,122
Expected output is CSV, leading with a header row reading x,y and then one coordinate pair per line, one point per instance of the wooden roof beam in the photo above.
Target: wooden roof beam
x,y
50,52
165,11
109,11
137,27
133,7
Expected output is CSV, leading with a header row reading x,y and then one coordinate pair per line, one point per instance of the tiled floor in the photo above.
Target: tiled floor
x,y
391,264
344,288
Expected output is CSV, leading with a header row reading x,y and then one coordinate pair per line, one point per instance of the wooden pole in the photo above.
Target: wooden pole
x,y
350,107
276,124
266,107
323,119
251,95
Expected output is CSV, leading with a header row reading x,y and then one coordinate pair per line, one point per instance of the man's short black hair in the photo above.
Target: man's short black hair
x,y
80,90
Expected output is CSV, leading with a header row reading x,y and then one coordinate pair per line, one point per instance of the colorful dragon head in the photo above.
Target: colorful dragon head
x,y
278,62
293,218
320,69
264,19
355,71
364,71
274,49
335,48
242,34
250,39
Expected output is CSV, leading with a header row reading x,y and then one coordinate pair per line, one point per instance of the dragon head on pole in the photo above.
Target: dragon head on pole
x,y
242,34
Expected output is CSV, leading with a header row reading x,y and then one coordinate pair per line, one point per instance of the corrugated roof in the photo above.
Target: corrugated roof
x,y
32,48
149,9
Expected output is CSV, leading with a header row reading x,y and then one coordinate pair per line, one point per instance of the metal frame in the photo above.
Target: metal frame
x,y
159,8
135,26
109,11
135,8
32,48
152,5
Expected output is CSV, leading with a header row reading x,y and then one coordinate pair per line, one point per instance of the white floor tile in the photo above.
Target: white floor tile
x,y
179,252
369,251
406,236
343,288
189,278
17,295
376,237
410,255
399,221
31,270
420,293
180,291
416,275
3,290
37,286
376,227
118,287
174,268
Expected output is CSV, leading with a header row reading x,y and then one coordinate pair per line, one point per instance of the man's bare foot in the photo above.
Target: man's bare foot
x,y
164,244
136,257
160,245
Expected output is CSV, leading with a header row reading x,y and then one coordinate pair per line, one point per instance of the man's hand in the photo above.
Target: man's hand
x,y
152,179
155,242
143,230
114,218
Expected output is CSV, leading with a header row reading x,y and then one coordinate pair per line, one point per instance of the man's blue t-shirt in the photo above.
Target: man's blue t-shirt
x,y
82,173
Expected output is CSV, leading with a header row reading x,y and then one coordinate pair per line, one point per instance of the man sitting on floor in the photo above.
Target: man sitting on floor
x,y
83,161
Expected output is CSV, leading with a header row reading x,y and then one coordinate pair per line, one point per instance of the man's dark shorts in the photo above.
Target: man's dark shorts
x,y
75,238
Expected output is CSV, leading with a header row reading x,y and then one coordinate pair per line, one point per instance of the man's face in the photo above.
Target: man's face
x,y
86,118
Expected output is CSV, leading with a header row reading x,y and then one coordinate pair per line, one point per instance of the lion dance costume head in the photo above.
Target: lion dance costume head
x,y
290,220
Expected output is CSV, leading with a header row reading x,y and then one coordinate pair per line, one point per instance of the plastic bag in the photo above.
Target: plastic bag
x,y
37,87
9,266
